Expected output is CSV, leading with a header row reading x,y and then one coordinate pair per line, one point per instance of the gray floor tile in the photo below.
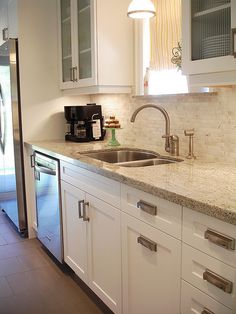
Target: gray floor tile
x,y
10,266
30,281
5,290
5,228
12,237
2,240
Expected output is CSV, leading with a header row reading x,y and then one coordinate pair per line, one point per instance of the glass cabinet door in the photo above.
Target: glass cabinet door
x,y
211,28
66,40
84,39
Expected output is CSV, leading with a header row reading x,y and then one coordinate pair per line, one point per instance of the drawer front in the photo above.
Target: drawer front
x,y
193,301
153,210
209,275
210,235
151,269
93,183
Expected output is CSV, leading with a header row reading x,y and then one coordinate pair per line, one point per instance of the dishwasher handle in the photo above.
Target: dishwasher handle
x,y
45,170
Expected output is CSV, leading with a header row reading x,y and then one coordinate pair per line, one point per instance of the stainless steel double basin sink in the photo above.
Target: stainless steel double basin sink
x,y
131,157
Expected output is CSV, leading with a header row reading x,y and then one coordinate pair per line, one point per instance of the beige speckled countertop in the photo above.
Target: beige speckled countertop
x,y
209,188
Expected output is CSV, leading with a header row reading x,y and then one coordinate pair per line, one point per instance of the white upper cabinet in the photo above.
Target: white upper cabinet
x,y
96,46
3,21
8,20
208,41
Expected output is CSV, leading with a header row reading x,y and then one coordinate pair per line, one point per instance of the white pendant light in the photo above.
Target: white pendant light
x,y
141,9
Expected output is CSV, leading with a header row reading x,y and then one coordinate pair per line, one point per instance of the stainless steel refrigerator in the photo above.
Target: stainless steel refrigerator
x,y
12,183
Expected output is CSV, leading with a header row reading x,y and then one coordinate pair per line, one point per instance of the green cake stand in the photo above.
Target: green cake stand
x,y
113,141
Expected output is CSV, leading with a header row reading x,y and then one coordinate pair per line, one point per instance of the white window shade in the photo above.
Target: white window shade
x,y
165,33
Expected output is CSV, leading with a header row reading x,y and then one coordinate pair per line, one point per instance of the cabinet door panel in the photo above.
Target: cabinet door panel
x,y
151,279
207,36
66,42
104,252
74,230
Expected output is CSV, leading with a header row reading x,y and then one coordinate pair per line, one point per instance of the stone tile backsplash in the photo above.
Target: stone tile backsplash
x,y
212,117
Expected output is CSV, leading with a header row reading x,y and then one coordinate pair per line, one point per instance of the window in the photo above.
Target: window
x,y
157,38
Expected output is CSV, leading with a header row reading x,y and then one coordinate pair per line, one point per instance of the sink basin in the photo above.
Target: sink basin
x,y
148,162
131,158
120,156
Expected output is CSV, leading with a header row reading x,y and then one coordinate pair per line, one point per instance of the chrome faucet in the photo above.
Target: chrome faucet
x,y
171,141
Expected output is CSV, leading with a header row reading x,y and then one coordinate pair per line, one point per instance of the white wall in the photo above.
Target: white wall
x,y
42,101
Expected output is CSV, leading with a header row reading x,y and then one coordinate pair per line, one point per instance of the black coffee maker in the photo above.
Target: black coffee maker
x,y
84,123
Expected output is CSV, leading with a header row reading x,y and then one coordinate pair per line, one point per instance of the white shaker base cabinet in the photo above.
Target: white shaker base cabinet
x,y
92,245
151,262
104,252
74,231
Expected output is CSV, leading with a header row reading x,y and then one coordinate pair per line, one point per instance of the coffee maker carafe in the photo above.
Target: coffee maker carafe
x,y
84,123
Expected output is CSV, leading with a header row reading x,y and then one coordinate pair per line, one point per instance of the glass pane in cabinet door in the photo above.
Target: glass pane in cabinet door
x,y
211,28
85,69
66,40
84,33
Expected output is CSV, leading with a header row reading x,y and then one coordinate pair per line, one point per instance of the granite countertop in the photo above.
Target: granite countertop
x,y
207,187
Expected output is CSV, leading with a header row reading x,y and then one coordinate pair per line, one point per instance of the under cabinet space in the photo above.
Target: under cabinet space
x,y
153,210
151,269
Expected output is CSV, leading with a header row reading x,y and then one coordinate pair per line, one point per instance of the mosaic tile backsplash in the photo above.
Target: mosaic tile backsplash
x,y
213,118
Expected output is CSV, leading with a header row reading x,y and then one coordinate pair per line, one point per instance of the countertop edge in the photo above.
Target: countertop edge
x,y
225,215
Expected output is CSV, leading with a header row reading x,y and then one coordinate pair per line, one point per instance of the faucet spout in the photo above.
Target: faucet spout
x,y
167,122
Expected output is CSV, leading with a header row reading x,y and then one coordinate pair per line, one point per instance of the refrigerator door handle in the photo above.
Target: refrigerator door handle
x,y
2,122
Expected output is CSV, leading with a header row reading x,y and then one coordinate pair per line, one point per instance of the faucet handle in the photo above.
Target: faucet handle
x,y
173,141
166,136
189,132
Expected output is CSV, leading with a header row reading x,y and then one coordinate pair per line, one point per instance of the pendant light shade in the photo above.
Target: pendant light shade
x,y
141,9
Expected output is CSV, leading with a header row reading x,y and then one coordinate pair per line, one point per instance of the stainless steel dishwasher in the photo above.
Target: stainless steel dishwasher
x,y
48,204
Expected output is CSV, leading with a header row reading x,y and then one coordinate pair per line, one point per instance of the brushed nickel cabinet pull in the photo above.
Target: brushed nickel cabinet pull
x,y
71,75
220,239
147,207
79,208
5,35
234,42
85,218
74,75
218,281
206,311
32,161
149,244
